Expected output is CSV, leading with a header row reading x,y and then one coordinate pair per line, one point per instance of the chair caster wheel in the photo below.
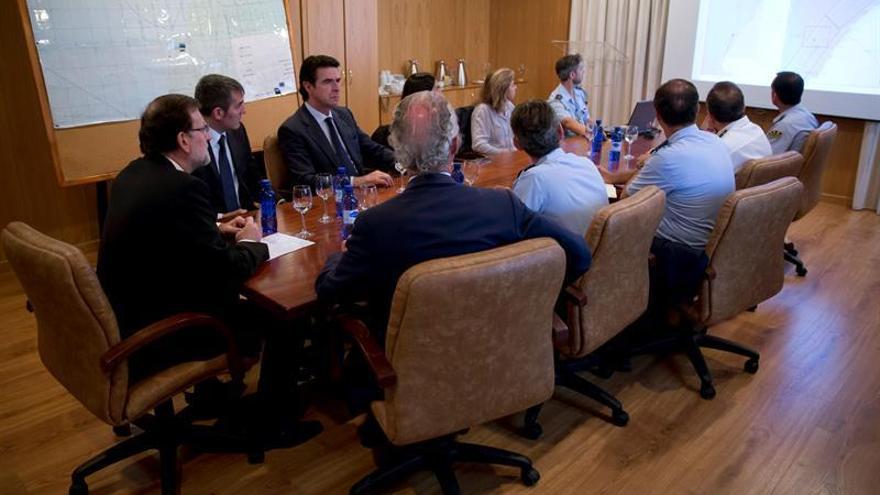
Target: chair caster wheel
x,y
123,430
751,366
707,391
530,476
78,488
603,372
532,431
619,418
801,271
256,457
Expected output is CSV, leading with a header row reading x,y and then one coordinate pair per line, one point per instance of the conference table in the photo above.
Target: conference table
x,y
285,286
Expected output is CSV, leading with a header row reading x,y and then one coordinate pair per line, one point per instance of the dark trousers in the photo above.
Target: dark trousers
x,y
676,274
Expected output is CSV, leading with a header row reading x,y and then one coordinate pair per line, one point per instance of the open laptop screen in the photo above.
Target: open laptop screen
x,y
643,115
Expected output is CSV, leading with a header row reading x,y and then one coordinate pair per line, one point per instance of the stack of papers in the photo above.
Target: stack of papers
x,y
280,244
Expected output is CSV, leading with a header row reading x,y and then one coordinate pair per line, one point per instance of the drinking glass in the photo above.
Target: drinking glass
x,y
323,187
302,202
370,196
630,134
402,171
590,128
471,169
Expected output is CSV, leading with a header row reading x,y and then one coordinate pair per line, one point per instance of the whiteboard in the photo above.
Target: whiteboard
x,y
104,60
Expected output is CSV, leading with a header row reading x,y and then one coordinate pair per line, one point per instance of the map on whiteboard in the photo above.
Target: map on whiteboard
x,y
835,46
104,60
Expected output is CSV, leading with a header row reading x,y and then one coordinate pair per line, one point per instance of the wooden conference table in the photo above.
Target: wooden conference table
x,y
285,286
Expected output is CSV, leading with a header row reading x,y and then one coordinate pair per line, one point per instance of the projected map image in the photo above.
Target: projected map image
x,y
835,46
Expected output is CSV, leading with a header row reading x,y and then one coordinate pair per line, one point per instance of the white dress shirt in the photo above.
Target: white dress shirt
x,y
322,121
565,187
490,130
745,140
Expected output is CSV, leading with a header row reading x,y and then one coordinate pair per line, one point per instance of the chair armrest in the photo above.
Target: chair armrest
x,y
574,295
384,373
120,352
710,273
560,331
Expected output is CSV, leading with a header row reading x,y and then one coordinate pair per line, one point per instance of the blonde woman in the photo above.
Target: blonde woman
x,y
490,122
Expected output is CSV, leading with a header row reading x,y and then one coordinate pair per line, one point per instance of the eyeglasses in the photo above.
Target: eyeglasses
x,y
203,129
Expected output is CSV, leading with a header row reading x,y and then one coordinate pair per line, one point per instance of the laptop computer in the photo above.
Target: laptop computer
x,y
643,116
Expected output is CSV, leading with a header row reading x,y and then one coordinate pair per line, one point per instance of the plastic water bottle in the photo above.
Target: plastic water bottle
x,y
457,174
598,138
349,210
339,183
616,145
267,208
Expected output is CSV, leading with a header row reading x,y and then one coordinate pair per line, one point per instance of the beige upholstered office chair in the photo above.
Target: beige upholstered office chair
x,y
489,354
276,170
816,151
613,293
763,170
79,343
744,269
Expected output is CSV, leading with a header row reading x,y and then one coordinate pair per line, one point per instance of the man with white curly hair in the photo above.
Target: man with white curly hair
x,y
434,218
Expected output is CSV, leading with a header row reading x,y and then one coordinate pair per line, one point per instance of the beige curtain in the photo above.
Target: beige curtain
x,y
622,42
867,193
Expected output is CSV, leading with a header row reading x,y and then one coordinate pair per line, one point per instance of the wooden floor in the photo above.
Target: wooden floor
x,y
808,422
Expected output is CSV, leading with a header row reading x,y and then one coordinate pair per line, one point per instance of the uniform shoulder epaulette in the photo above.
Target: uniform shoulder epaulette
x,y
661,146
527,168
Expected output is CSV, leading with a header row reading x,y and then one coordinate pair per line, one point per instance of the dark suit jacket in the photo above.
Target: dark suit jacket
x,y
307,151
161,252
435,217
246,170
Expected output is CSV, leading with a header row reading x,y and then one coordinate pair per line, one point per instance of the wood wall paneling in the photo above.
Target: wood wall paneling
x,y
29,190
362,60
323,31
433,30
521,33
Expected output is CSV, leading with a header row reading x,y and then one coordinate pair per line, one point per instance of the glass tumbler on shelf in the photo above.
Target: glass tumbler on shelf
x,y
323,187
302,202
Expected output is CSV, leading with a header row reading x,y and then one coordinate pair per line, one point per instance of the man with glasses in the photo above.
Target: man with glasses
x,y
233,176
162,253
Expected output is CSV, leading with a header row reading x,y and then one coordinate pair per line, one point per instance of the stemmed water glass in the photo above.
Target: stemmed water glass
x,y
402,171
471,169
590,129
302,202
629,135
323,186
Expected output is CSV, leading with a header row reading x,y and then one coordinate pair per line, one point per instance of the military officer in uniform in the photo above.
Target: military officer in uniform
x,y
569,100
794,122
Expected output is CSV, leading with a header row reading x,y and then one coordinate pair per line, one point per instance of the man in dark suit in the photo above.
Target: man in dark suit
x,y
233,176
321,136
161,252
435,217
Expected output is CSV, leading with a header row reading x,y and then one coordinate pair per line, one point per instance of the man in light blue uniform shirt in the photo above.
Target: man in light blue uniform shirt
x,y
569,100
693,168
563,186
794,122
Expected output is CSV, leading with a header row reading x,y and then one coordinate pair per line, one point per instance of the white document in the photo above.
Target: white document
x,y
280,244
611,191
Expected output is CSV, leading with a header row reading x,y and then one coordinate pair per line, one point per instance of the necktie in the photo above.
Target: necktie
x,y
342,157
230,198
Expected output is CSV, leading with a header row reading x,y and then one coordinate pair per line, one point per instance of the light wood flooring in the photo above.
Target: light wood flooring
x,y
807,423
